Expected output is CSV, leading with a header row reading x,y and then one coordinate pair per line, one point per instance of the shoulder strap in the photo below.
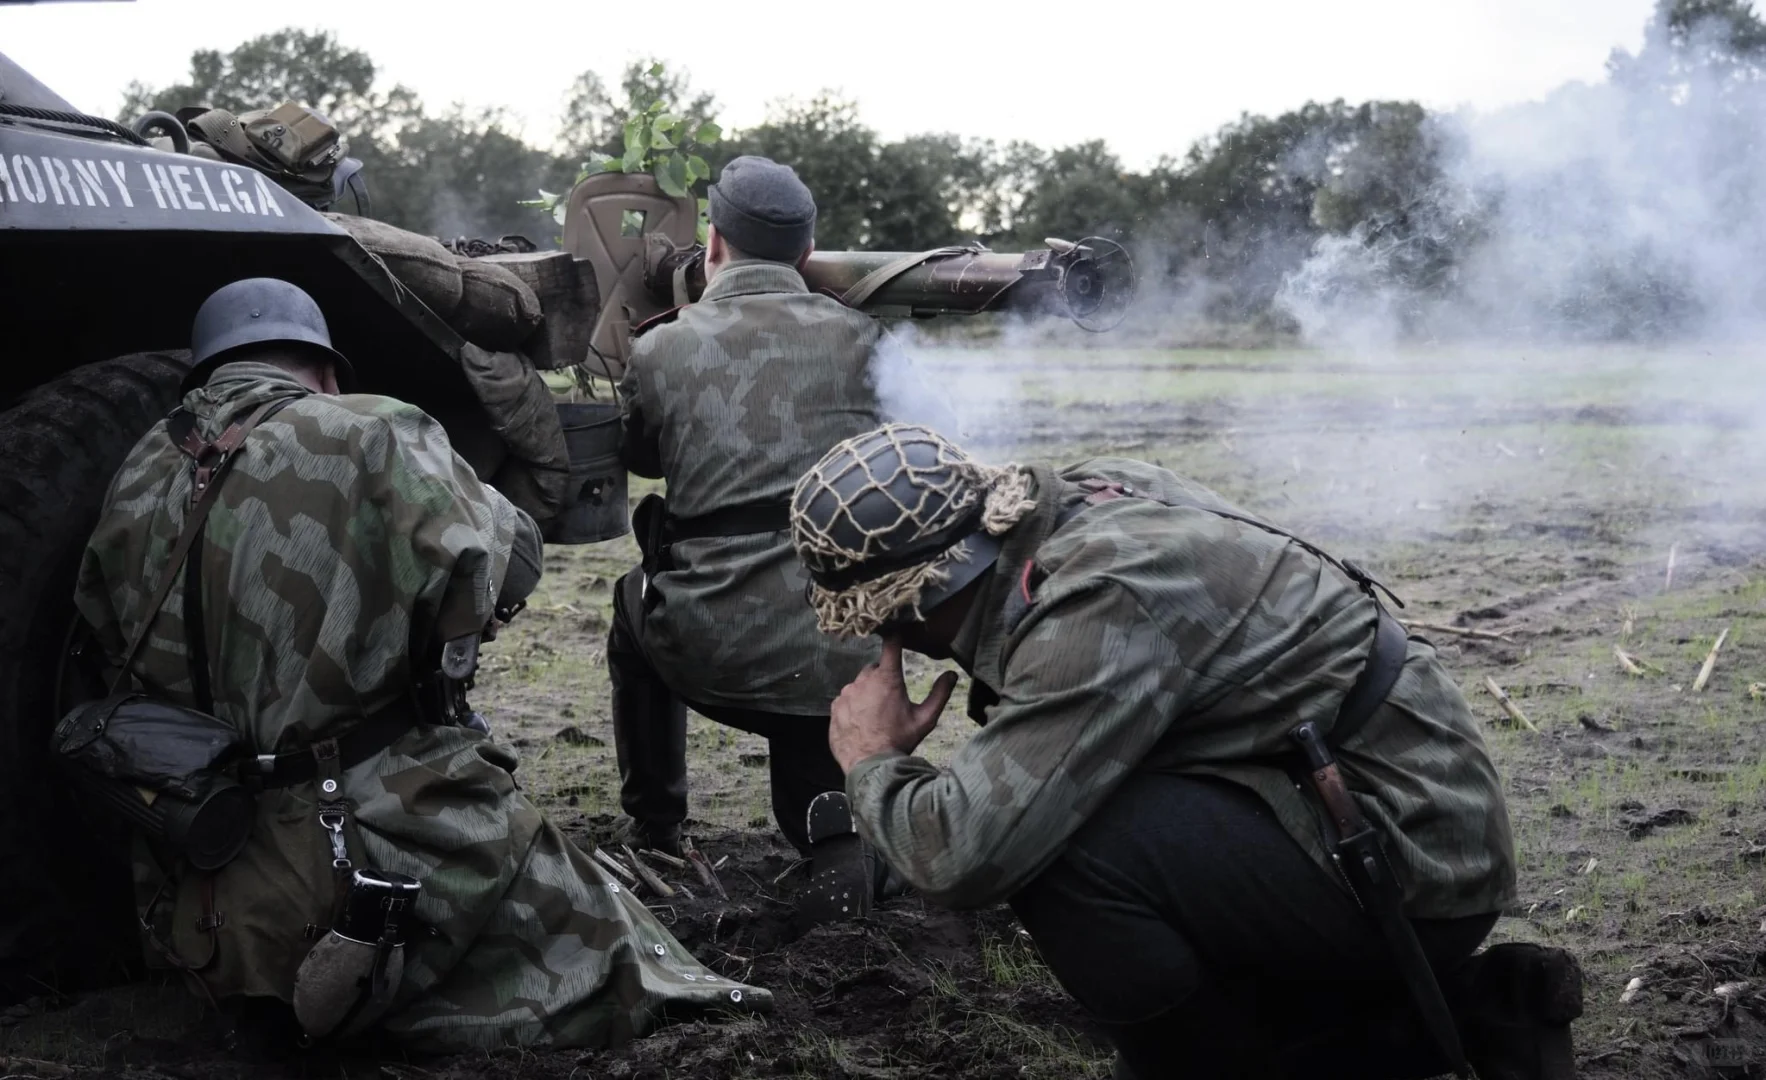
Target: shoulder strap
x,y
209,475
867,286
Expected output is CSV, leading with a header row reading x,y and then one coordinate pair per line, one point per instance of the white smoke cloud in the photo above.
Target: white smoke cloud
x,y
1634,208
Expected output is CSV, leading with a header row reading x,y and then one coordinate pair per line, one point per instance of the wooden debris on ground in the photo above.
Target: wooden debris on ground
x,y
614,865
33,1067
664,858
796,864
1698,684
1668,581
704,870
1508,706
1459,631
656,884
1628,662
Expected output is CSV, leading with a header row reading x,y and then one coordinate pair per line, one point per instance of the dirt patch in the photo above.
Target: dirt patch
x,y
913,991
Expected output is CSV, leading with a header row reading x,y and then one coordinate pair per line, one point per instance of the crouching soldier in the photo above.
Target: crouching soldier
x,y
1250,825
316,640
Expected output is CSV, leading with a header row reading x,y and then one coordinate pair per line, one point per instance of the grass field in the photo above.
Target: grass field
x,y
1539,498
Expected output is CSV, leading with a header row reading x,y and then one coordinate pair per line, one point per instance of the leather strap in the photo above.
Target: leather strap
x,y
1385,662
867,286
742,519
358,744
195,637
209,477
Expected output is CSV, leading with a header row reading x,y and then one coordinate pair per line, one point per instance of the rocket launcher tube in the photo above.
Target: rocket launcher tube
x,y
1090,282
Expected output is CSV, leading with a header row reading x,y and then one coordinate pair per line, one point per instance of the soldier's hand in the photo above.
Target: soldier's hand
x,y
874,714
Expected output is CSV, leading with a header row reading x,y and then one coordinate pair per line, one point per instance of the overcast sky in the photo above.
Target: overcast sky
x,y
1148,76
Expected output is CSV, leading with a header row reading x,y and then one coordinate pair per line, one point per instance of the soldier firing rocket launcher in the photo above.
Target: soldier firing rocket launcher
x,y
640,243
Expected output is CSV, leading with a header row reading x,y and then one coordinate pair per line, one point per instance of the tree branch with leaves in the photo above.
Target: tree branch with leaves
x,y
656,140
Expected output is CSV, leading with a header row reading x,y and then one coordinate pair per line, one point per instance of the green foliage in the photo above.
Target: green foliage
x,y
654,136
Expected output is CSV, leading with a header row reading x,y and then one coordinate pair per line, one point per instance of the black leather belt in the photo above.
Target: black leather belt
x,y
743,519
353,747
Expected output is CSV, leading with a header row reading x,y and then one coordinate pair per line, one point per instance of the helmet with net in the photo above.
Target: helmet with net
x,y
894,522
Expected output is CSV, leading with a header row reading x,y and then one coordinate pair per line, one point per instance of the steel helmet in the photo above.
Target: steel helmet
x,y
894,522
256,311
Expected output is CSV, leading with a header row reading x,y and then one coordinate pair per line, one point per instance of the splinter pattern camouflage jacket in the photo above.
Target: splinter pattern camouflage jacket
x,y
1167,638
731,403
343,530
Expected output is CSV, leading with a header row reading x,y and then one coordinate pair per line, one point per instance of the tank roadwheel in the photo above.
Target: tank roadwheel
x,y
66,911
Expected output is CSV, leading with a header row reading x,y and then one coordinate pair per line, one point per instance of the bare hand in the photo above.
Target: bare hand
x,y
874,714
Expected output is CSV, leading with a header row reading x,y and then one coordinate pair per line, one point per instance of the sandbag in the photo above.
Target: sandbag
x,y
523,412
419,263
497,309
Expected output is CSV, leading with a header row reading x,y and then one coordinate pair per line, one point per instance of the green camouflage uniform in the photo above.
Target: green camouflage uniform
x,y
342,530
1170,639
731,402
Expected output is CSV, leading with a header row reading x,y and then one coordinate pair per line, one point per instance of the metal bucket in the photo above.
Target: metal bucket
x,y
595,506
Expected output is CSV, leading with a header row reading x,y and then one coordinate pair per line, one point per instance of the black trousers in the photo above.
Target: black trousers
x,y
1207,943
650,736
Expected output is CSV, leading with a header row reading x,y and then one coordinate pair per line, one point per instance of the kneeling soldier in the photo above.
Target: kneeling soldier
x,y
343,564
1250,825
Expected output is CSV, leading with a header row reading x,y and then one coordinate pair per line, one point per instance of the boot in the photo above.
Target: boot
x,y
649,735
842,876
1514,1004
648,836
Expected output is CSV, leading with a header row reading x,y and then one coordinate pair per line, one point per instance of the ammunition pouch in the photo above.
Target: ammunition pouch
x,y
296,146
163,768
348,979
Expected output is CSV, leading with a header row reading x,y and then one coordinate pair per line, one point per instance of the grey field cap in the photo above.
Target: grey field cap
x,y
256,311
763,208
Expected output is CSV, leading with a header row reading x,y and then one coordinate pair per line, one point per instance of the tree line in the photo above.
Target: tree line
x,y
1224,223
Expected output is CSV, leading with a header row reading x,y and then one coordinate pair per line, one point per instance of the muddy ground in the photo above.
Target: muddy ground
x,y
1537,499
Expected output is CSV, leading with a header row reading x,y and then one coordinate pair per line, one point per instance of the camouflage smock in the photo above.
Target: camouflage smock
x,y
343,527
1170,639
731,403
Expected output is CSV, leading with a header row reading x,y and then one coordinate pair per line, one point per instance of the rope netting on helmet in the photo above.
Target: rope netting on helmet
x,y
876,495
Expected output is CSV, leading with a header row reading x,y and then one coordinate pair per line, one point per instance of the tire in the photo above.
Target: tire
x,y
66,918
